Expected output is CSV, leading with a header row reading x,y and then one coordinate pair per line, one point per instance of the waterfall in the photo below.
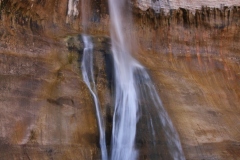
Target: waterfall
x,y
134,88
126,105
135,94
88,76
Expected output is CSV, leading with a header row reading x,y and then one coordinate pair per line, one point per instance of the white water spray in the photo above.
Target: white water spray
x,y
126,105
88,77
133,84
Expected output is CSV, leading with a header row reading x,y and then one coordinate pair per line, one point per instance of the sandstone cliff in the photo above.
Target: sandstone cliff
x,y
190,48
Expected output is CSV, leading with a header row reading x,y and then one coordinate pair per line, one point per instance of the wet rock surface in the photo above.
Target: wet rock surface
x,y
202,99
42,102
47,112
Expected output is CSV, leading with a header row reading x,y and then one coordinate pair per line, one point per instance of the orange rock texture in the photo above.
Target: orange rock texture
x,y
47,112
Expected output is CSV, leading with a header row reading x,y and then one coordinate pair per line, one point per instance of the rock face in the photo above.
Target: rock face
x,y
192,53
191,5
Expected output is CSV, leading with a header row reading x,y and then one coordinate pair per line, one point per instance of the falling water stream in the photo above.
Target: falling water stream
x,y
134,88
88,77
135,96
87,72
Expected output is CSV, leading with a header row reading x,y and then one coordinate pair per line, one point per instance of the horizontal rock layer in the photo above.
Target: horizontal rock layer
x,y
191,5
192,54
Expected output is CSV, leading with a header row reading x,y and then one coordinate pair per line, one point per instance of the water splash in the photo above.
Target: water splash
x,y
133,87
88,77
